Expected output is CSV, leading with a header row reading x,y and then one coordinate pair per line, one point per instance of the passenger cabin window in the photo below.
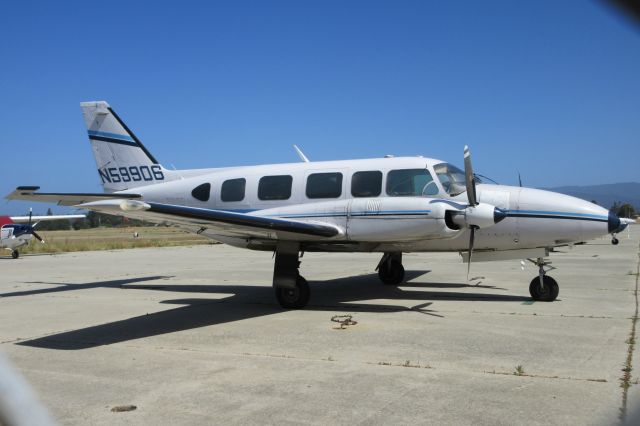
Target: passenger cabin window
x,y
233,189
275,187
366,184
410,183
202,192
324,185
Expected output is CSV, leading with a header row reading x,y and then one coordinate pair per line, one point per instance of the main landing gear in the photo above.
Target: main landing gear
x,y
292,290
390,269
15,254
543,288
294,298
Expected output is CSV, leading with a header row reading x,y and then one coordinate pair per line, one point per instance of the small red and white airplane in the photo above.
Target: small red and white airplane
x,y
14,234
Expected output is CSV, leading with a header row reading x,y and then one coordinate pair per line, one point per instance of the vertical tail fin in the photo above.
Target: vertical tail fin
x,y
122,161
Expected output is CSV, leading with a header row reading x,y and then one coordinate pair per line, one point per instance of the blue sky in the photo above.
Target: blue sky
x,y
546,88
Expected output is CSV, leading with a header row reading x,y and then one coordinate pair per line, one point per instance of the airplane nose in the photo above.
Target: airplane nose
x,y
614,223
561,217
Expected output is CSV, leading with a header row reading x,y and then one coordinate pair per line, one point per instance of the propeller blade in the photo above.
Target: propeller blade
x,y
469,178
35,234
471,238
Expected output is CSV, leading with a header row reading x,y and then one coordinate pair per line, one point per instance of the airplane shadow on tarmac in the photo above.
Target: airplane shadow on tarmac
x,y
251,301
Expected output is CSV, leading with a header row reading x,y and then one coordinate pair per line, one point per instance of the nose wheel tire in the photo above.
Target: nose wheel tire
x,y
15,254
547,293
294,298
391,273
614,241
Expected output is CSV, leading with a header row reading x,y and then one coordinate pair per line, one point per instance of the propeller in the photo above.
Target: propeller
x,y
470,180
30,229
471,238
474,215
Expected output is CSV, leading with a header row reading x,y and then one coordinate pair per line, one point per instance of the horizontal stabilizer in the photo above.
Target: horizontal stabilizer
x,y
28,193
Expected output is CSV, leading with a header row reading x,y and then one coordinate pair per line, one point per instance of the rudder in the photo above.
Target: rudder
x,y
123,161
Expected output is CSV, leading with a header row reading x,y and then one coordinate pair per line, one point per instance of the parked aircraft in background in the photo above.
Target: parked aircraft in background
x,y
14,235
386,205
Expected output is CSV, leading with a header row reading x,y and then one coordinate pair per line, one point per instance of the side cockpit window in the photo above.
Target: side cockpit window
x,y
451,178
233,189
202,192
366,184
411,183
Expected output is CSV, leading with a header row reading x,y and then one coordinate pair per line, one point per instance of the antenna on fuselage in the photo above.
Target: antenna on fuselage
x,y
519,180
301,154
178,171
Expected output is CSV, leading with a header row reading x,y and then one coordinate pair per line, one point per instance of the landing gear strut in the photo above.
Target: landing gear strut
x,y
15,254
292,290
543,288
390,269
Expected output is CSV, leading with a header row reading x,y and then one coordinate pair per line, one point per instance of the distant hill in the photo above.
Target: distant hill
x,y
605,195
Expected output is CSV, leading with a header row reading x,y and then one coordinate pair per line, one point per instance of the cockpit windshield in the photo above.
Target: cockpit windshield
x,y
451,178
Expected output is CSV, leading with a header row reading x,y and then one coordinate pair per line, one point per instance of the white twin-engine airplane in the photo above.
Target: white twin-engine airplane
x,y
14,234
386,205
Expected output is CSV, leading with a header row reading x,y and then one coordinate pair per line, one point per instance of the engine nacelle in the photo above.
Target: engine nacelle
x,y
481,215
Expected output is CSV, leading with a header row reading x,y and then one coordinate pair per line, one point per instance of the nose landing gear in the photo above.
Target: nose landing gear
x,y
543,288
614,240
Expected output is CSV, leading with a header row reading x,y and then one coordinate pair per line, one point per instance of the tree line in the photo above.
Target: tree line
x,y
93,220
624,209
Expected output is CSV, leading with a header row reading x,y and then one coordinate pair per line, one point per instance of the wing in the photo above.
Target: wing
x,y
190,218
19,219
28,193
227,223
219,221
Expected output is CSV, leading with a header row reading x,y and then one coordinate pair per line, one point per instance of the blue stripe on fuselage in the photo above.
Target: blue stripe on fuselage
x,y
511,213
559,215
365,213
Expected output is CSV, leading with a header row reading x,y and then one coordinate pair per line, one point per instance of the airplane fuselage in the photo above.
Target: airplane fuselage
x,y
12,239
378,216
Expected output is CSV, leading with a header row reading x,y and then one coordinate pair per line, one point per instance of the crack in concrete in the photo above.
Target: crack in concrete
x,y
534,314
542,376
631,342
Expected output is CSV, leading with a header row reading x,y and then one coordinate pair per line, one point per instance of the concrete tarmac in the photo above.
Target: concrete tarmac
x,y
193,335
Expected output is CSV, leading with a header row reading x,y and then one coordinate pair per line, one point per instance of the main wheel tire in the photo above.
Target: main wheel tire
x,y
391,273
294,298
15,254
547,294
